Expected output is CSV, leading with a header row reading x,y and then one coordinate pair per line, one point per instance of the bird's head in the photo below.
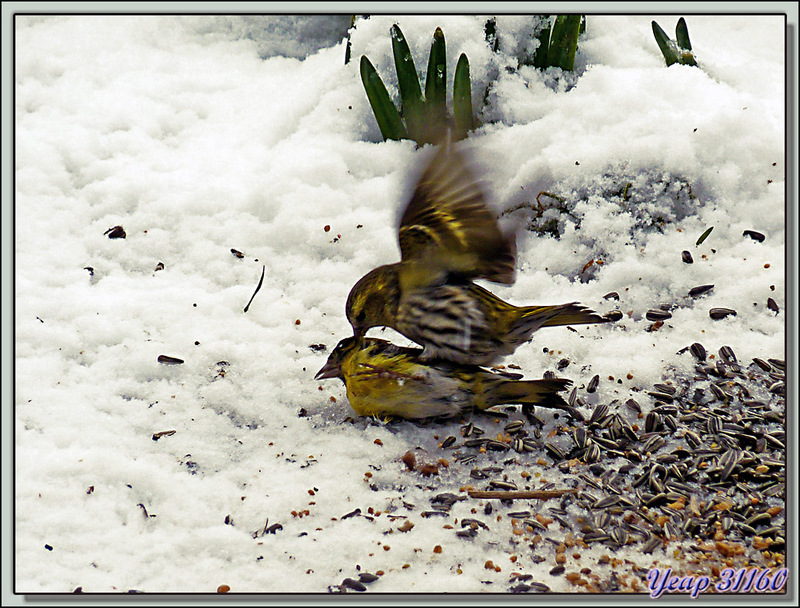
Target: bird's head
x,y
373,300
333,366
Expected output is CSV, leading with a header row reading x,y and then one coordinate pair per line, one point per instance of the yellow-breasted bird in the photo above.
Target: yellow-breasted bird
x,y
383,379
448,237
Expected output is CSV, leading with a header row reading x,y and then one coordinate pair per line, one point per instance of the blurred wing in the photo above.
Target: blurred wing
x,y
448,223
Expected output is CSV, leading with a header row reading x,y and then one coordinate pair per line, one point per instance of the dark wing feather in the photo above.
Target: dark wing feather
x,y
449,224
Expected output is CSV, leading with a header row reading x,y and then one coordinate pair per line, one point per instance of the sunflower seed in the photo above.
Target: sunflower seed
x,y
756,236
592,386
502,485
514,426
613,315
651,422
700,290
659,498
664,397
450,440
535,524
773,305
620,536
686,256
555,453
665,388
727,354
713,425
497,446
353,584
605,502
598,413
632,405
654,444
721,313
762,364
592,454
779,363
728,461
519,514
778,388
657,315
719,393
595,536
580,438
698,351
759,519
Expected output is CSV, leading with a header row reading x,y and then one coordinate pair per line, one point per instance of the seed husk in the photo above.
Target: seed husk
x,y
772,305
762,364
721,313
651,422
698,351
657,315
779,363
612,295
613,315
599,412
353,584
633,405
727,354
756,236
555,453
592,386
653,543
700,290
686,256
448,441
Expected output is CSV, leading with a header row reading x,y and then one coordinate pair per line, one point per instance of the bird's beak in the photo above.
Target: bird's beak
x,y
329,370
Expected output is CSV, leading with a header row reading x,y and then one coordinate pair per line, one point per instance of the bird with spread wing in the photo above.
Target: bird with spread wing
x,y
448,238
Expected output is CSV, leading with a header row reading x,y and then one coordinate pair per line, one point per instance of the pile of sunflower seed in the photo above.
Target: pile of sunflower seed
x,y
704,464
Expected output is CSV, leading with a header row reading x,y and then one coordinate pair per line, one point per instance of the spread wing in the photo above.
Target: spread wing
x,y
449,224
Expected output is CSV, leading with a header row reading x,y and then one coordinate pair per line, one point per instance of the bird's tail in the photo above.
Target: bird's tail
x,y
529,392
534,317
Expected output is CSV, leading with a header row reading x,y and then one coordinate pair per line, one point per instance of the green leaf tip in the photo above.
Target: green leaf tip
x,y
386,114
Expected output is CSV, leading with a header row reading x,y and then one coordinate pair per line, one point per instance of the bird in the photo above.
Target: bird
x,y
386,380
448,238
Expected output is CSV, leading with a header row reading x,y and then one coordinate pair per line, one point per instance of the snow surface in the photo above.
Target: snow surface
x,y
197,136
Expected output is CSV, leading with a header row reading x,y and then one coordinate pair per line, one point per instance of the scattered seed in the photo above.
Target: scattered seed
x,y
353,584
167,360
700,290
686,257
756,236
698,351
772,305
592,386
117,232
721,313
657,315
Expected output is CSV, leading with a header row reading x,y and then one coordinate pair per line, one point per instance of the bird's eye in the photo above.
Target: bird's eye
x,y
361,317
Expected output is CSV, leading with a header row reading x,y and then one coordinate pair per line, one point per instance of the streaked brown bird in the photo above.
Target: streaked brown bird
x,y
383,379
449,237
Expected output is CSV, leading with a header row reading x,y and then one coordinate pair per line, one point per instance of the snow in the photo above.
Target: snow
x,y
200,135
